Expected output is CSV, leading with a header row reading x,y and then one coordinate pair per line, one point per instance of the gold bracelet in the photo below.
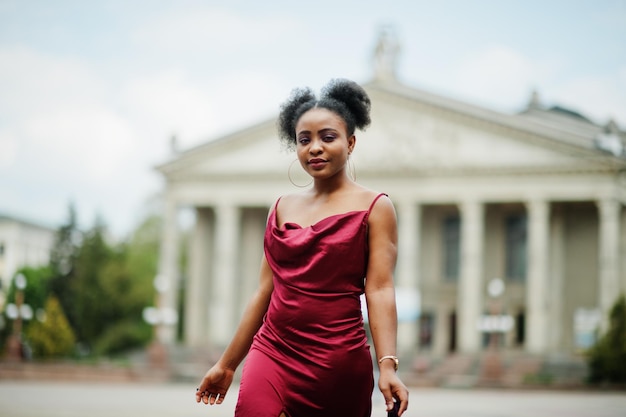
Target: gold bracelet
x,y
396,362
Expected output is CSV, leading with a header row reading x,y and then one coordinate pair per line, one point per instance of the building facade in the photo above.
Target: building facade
x,y
534,200
22,243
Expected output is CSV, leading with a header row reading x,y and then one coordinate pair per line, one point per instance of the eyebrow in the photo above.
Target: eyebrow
x,y
324,130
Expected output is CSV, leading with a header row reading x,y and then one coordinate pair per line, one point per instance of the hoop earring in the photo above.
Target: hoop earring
x,y
291,180
351,169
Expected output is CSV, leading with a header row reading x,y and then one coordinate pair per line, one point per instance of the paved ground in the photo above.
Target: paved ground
x,y
63,399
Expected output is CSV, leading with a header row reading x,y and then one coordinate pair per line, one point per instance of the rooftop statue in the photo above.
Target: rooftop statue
x,y
386,55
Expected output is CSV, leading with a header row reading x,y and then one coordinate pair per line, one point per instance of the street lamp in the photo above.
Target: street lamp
x,y
17,312
159,316
494,324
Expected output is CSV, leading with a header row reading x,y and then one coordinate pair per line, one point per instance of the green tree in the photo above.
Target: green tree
x,y
35,295
103,288
91,307
53,337
36,291
142,254
607,358
126,283
62,264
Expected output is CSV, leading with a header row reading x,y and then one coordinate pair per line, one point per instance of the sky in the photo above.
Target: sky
x,y
91,92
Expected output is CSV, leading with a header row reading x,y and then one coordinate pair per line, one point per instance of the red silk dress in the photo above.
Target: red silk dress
x,y
310,357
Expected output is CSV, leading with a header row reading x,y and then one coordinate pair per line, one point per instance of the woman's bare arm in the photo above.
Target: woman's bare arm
x,y
380,296
219,378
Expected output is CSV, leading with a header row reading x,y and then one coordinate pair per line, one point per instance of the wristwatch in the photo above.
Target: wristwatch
x,y
396,362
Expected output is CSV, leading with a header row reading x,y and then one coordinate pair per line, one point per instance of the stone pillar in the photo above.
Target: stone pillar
x,y
197,294
609,246
408,244
223,298
169,274
407,270
471,286
537,276
557,287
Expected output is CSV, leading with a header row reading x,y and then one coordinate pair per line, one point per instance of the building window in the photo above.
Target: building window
x,y
426,330
452,328
520,328
451,247
516,241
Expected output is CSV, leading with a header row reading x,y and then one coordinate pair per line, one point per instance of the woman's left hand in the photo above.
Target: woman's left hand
x,y
392,388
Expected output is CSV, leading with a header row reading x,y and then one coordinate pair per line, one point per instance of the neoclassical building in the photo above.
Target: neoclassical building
x,y
534,200
22,243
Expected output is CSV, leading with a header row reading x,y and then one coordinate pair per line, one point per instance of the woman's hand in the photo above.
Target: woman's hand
x,y
392,387
214,385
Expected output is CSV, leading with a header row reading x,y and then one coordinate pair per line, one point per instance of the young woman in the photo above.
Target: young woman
x,y
302,332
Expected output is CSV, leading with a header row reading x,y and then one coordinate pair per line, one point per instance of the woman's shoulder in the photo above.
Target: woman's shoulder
x,y
380,205
289,200
369,197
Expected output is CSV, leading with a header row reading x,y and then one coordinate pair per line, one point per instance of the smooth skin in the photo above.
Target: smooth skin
x,y
323,147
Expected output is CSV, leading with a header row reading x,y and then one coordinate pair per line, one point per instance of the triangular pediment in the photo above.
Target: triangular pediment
x,y
411,132
254,151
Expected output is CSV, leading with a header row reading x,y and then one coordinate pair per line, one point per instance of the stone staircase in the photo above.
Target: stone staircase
x,y
183,364
500,370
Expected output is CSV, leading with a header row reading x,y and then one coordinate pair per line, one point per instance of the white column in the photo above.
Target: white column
x,y
407,270
197,294
223,299
609,246
471,288
408,245
169,273
557,287
537,278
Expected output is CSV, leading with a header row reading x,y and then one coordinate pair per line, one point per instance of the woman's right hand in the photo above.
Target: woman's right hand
x,y
214,385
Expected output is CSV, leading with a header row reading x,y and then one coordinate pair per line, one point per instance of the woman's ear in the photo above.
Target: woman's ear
x,y
351,143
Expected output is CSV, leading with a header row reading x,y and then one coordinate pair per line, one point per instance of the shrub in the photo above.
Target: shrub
x,y
607,358
123,336
52,337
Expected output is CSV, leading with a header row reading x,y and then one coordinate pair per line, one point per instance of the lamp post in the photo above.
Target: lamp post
x,y
494,324
159,316
17,312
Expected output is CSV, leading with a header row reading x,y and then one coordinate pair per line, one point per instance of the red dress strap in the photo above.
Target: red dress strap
x,y
369,210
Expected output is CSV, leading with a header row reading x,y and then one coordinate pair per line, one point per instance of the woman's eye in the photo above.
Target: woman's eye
x,y
329,138
303,141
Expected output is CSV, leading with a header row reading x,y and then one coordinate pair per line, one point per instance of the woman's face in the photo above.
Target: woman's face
x,y
322,143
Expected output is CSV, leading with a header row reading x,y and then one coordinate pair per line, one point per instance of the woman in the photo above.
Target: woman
x,y
302,332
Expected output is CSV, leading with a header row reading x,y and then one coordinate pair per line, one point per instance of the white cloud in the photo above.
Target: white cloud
x,y
32,81
500,76
200,30
8,149
62,138
600,97
503,78
57,108
246,97
90,142
167,103
197,110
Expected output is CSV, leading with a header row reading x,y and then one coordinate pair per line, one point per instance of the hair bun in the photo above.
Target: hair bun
x,y
353,96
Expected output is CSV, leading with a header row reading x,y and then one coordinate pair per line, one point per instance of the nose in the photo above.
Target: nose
x,y
315,147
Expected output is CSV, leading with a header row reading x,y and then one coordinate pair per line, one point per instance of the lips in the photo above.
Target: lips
x,y
316,162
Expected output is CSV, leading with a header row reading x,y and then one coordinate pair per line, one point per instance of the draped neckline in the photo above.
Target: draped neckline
x,y
294,225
